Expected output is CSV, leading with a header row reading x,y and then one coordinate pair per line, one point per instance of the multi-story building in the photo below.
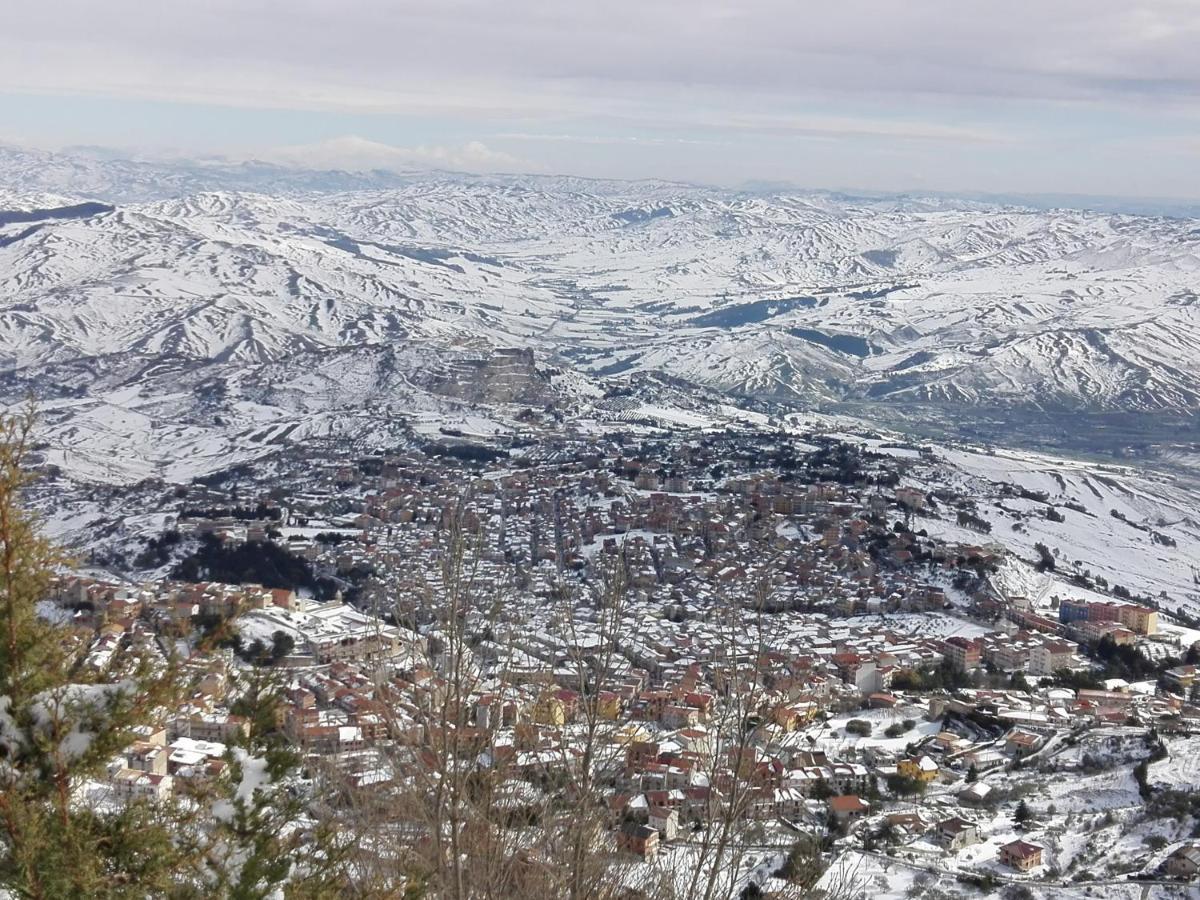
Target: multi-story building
x,y
963,653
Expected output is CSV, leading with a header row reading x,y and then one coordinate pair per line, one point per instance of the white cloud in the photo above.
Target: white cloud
x,y
358,154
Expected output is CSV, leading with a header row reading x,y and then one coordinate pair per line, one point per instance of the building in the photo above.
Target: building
x,y
132,784
144,756
640,840
1184,862
848,808
549,710
1073,611
1138,619
922,769
665,821
955,833
1181,678
1021,855
963,653
974,794
1050,656
1021,743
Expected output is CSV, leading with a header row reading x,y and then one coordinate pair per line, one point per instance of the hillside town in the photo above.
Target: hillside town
x,y
731,628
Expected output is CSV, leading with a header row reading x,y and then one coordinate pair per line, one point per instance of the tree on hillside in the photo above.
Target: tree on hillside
x,y
1046,561
62,834
59,727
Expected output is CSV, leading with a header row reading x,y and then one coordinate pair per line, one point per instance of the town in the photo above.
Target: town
x,y
728,658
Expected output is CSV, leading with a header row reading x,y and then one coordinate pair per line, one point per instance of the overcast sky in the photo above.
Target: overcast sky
x,y
1089,96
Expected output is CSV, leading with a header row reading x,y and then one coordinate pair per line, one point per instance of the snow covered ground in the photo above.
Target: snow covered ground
x,y
199,318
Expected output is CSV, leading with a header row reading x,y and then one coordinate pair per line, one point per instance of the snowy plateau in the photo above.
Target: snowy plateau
x,y
175,319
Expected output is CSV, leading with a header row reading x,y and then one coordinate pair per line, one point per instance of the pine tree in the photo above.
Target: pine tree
x,y
60,726
1022,814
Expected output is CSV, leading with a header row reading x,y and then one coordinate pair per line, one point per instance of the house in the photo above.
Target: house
x,y
146,757
610,705
285,598
1021,743
974,794
857,671
848,778
922,769
133,784
1021,855
1181,678
848,808
640,755
789,718
665,821
955,833
187,753
1049,657
789,802
640,840
947,741
906,824
1184,862
549,710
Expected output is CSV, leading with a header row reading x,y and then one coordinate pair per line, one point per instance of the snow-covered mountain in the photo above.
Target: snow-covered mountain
x,y
231,298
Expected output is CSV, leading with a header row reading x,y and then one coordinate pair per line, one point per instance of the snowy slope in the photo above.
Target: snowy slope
x,y
223,276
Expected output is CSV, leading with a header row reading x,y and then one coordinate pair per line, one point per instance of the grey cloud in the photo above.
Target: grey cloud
x,y
1065,49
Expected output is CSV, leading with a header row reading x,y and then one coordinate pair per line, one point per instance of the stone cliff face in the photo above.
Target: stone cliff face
x,y
505,375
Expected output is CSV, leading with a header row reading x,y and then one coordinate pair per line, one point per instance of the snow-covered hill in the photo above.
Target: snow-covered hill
x,y
179,291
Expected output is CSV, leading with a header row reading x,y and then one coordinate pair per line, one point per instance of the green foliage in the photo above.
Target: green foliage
x,y
1077,681
60,727
969,519
1123,661
249,563
942,677
259,698
804,864
1141,771
282,644
1046,561
903,786
157,551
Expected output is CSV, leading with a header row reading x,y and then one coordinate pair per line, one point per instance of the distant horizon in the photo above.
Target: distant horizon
x,y
1129,204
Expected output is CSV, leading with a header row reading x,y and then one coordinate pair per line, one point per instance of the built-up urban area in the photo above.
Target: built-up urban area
x,y
733,657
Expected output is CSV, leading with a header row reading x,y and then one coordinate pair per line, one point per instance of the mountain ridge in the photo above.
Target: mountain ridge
x,y
797,300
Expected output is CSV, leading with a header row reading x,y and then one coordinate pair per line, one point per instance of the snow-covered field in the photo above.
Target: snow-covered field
x,y
1150,547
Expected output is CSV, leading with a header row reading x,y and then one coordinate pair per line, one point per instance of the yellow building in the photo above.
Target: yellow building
x,y
1139,619
789,718
923,769
610,706
549,710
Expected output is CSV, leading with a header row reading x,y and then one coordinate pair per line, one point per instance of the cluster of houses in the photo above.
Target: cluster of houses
x,y
810,591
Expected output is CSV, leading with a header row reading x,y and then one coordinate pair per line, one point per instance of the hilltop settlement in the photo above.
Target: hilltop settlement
x,y
753,660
